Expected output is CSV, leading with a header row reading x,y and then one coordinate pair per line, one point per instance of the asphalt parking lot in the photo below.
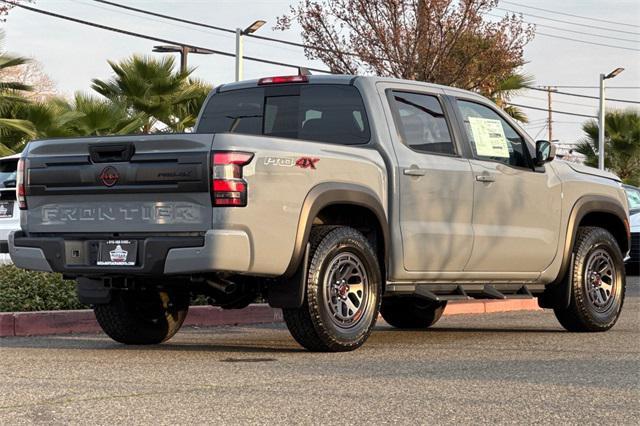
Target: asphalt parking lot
x,y
499,368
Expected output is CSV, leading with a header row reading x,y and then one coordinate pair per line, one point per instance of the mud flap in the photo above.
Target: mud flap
x,y
289,292
92,292
558,295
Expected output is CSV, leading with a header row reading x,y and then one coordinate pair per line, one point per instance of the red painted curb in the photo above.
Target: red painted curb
x,y
7,324
83,321
55,322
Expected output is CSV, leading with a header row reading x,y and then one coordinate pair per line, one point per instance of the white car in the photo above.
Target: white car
x,y
9,211
633,195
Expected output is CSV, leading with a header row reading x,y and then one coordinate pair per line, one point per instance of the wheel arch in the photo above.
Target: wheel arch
x,y
590,210
326,197
321,204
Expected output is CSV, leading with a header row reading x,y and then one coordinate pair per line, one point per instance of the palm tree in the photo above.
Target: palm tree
x,y
85,115
100,117
149,86
185,114
509,87
10,96
622,144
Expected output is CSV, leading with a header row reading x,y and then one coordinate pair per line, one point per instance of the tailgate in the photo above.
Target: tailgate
x,y
130,184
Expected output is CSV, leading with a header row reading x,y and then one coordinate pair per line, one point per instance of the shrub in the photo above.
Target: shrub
x,y
22,290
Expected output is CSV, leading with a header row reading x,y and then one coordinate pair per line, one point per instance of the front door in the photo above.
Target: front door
x,y
516,209
436,186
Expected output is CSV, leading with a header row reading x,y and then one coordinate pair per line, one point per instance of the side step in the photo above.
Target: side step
x,y
439,293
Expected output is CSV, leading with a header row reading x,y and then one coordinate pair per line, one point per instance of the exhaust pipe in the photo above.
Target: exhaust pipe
x,y
223,286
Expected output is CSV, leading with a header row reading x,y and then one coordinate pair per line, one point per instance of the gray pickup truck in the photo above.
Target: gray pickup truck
x,y
334,198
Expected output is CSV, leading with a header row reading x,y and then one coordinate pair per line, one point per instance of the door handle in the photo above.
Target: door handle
x,y
414,172
485,178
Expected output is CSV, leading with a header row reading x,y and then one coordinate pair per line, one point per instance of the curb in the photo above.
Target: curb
x,y
43,323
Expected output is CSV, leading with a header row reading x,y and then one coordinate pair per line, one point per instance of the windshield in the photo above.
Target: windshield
x,y
8,173
633,195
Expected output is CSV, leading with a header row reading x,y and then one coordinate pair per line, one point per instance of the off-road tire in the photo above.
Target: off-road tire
x,y
582,315
411,312
145,317
312,325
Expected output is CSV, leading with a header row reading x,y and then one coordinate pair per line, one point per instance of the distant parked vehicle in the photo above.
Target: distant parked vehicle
x,y
9,212
633,195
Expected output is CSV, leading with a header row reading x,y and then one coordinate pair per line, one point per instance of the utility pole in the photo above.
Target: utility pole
x,y
240,33
601,124
601,116
550,112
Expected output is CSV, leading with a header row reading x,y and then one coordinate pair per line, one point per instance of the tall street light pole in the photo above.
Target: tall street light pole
x,y
601,116
183,51
240,45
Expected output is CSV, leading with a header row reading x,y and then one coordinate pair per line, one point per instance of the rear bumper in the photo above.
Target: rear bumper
x,y
217,250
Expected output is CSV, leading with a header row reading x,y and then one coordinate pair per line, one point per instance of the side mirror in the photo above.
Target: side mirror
x,y
545,152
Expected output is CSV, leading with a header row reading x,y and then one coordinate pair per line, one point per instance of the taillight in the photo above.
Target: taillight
x,y
283,79
228,188
21,190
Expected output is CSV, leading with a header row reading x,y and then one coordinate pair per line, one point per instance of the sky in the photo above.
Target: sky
x,y
73,54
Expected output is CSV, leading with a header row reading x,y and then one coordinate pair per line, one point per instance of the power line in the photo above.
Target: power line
x,y
560,102
555,111
571,31
570,14
577,95
587,42
160,15
152,38
228,30
567,22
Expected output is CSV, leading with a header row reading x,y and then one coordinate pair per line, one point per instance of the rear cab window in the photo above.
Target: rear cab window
x,y
329,113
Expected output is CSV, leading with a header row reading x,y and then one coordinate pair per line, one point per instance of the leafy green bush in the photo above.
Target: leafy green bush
x,y
22,290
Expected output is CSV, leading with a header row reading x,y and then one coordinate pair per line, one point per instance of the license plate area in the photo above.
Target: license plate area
x,y
6,209
117,253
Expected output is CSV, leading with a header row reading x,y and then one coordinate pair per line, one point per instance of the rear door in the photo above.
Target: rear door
x,y
516,209
436,189
129,184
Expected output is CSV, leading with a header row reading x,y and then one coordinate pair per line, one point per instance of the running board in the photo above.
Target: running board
x,y
440,293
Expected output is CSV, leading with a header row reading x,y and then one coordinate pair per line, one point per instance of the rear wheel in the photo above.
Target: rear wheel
x,y
342,297
598,283
146,317
411,312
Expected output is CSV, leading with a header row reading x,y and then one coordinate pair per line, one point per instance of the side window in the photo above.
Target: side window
x,y
491,137
422,125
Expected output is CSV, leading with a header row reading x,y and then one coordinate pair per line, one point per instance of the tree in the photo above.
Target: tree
x,y
622,144
185,114
439,41
509,87
31,74
152,87
85,115
11,95
101,117
6,7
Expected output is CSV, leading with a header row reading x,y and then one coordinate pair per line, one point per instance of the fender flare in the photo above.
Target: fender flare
x,y
288,291
558,292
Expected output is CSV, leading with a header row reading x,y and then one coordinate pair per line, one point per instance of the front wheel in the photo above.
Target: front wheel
x,y
343,291
148,317
598,283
